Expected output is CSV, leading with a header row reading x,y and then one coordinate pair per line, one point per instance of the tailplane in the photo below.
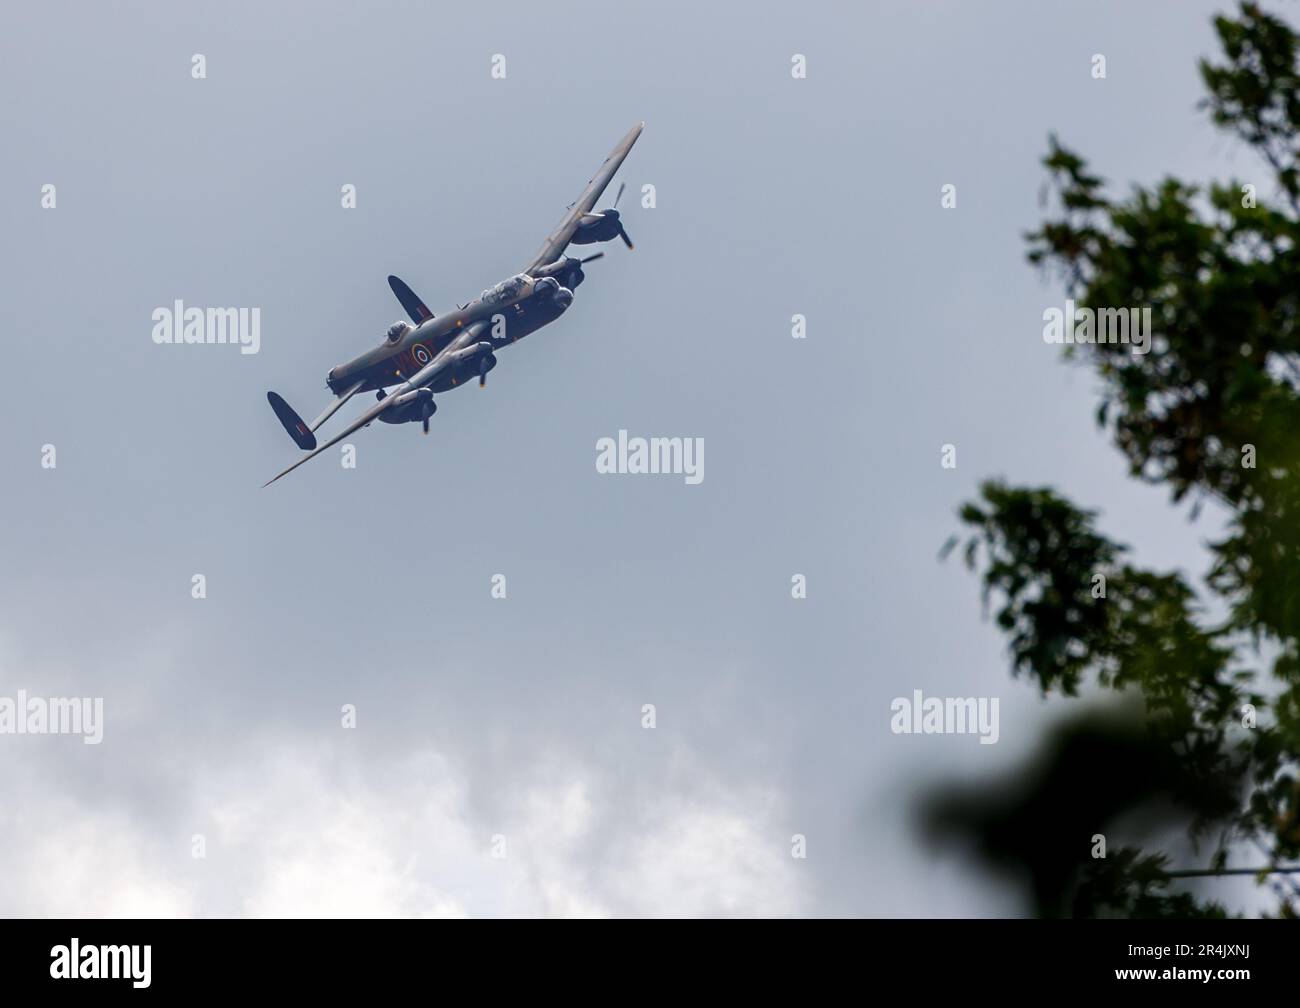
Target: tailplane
x,y
299,431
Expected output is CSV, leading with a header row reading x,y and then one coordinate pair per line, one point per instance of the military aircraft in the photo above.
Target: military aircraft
x,y
436,353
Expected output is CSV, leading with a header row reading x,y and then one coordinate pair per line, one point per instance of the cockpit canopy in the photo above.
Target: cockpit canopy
x,y
396,331
506,291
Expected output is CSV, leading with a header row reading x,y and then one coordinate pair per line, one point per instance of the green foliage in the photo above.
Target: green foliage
x,y
1128,883
1219,389
1039,824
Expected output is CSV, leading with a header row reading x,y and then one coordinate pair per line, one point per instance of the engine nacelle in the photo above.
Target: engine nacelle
x,y
476,367
470,352
561,296
601,227
567,270
410,407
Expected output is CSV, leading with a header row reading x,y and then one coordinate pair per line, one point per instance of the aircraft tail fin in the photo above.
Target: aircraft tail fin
x,y
299,431
416,308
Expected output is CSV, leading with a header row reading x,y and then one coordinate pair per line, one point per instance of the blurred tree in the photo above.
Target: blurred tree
x,y
1212,412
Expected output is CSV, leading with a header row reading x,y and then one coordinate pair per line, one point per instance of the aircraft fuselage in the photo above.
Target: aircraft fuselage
x,y
393,363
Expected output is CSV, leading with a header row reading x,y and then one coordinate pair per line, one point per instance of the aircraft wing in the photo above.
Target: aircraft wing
x,y
558,240
454,352
351,428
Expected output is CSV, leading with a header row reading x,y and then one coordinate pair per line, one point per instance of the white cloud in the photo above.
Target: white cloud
x,y
75,866
307,831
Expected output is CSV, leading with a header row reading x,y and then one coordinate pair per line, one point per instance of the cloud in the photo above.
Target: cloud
x,y
67,864
308,830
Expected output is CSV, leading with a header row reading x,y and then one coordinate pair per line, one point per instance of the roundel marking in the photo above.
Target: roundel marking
x,y
421,354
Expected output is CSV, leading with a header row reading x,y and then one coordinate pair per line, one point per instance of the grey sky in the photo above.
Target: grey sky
x,y
370,586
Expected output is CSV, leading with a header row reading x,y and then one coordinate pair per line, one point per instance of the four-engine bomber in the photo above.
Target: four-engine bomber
x,y
434,353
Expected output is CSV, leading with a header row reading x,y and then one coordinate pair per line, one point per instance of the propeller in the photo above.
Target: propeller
x,y
483,370
576,275
621,232
612,213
